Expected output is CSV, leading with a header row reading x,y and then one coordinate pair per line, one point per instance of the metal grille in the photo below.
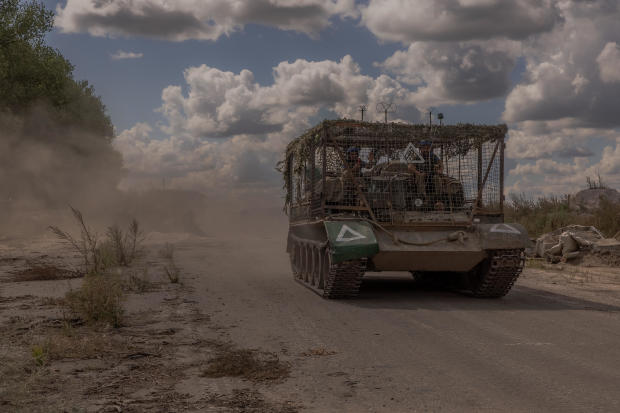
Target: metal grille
x,y
401,174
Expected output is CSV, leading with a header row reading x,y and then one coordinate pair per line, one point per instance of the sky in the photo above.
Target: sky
x,y
205,94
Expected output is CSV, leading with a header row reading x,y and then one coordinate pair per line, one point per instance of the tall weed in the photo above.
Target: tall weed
x,y
549,213
119,248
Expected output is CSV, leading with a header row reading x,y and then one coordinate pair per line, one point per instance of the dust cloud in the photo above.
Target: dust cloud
x,y
45,166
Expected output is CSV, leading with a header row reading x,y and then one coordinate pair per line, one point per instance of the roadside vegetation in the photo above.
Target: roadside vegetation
x,y
549,213
100,297
170,267
31,72
118,249
48,118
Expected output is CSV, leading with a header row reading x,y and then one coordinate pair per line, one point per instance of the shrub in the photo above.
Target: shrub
x,y
547,214
120,248
99,300
171,269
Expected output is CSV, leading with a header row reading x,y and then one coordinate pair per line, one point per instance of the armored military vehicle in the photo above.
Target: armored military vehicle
x,y
426,199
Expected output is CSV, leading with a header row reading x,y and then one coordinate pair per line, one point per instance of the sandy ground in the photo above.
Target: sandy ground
x,y
238,334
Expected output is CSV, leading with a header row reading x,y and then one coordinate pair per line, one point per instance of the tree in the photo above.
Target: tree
x,y
55,136
32,72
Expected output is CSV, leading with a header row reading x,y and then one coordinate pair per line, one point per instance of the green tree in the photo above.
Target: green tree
x,y
32,72
55,136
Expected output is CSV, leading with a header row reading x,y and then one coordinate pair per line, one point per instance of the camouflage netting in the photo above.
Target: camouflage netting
x,y
456,141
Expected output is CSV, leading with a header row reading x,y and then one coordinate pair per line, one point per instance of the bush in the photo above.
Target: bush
x,y
547,214
119,249
98,301
607,217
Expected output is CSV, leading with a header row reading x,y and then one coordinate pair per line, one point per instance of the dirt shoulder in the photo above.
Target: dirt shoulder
x,y
167,355
236,334
599,284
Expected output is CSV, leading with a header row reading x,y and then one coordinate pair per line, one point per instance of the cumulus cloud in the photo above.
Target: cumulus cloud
x,y
228,131
559,139
239,162
458,20
462,72
221,125
196,19
224,104
609,63
122,55
570,71
548,176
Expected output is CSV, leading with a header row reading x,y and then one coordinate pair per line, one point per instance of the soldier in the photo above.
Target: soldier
x,y
355,164
428,172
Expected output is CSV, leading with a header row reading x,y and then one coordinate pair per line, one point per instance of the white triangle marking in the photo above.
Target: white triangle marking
x,y
509,229
347,230
412,154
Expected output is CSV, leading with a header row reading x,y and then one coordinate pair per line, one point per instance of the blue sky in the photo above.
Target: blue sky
x,y
131,88
547,68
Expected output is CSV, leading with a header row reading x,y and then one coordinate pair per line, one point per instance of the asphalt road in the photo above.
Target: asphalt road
x,y
399,348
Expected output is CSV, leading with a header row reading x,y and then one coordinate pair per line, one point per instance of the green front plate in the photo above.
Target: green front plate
x,y
351,240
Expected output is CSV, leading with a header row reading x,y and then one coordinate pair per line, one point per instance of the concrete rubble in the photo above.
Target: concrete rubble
x,y
577,242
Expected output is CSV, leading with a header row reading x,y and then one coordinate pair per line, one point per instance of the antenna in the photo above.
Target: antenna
x,y
430,116
386,108
363,109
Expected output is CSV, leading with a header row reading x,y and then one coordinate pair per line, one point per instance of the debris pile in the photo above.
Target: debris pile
x,y
578,244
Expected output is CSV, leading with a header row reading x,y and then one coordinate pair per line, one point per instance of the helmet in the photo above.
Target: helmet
x,y
352,149
426,143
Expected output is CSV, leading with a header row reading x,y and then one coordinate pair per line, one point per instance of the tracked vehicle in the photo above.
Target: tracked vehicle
x,y
377,197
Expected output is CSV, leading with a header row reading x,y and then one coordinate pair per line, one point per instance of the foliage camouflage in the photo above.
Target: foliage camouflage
x,y
462,137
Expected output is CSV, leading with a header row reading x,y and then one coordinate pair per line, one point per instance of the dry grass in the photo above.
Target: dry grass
x,y
247,364
81,344
98,301
170,268
137,283
547,214
43,273
248,400
318,352
86,245
125,244
536,263
23,377
119,248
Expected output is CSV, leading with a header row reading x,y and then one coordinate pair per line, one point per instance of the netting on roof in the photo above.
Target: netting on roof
x,y
395,173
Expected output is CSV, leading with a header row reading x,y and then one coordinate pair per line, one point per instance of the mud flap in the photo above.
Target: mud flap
x,y
351,240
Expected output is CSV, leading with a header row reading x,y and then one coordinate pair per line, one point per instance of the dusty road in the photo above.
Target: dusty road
x,y
548,346
208,343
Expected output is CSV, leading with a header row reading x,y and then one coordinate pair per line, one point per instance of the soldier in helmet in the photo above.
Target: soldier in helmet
x,y
431,165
